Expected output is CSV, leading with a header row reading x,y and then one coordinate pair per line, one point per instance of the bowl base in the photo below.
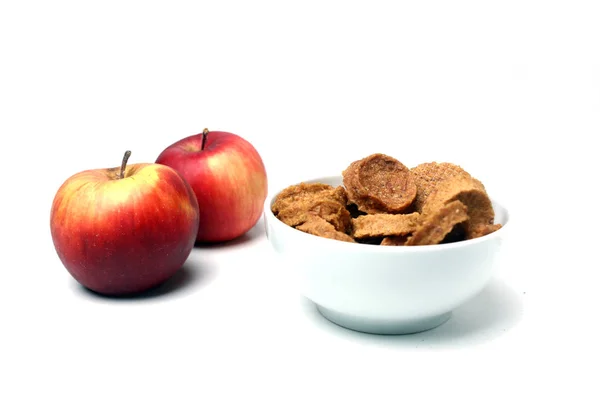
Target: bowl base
x,y
383,326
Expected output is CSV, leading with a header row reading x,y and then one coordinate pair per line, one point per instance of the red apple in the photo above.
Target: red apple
x,y
124,230
228,177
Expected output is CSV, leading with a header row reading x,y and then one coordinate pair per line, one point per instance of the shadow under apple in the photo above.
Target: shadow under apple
x,y
189,275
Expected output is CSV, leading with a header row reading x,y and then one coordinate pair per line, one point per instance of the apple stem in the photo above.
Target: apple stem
x,y
204,136
124,164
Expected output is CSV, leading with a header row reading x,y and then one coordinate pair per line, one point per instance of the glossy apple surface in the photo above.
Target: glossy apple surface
x,y
228,177
122,234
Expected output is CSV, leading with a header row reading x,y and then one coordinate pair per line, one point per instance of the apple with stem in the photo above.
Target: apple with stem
x,y
124,230
228,177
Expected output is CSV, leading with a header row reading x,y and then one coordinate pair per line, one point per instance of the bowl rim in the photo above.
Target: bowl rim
x,y
347,246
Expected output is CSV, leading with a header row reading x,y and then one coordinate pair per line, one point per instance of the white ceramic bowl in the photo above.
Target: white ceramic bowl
x,y
385,289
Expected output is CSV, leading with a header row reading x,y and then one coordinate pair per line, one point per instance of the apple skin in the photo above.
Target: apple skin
x,y
124,236
228,177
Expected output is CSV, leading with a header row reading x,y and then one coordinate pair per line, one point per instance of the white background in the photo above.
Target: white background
x,y
509,90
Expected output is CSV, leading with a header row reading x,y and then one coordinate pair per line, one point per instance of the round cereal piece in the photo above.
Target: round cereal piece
x,y
428,176
482,230
339,194
381,225
297,193
319,227
468,191
434,227
350,181
356,193
330,210
386,184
